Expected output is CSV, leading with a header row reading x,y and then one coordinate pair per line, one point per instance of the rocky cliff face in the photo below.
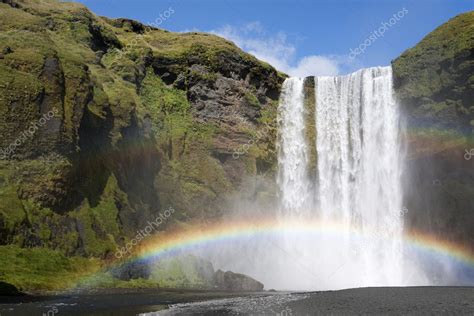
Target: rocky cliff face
x,y
105,122
434,82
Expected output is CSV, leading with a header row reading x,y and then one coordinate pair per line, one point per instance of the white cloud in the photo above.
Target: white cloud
x,y
277,51
316,65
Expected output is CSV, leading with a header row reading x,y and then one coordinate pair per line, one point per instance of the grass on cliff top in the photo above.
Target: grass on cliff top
x,y
45,6
170,43
443,44
180,45
446,40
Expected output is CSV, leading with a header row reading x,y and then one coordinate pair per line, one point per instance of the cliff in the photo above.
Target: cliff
x,y
434,82
105,122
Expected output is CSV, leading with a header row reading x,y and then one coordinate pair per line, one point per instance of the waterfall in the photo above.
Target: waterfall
x,y
358,181
292,179
359,164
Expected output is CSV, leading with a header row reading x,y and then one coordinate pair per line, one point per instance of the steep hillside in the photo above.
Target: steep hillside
x,y
106,122
435,84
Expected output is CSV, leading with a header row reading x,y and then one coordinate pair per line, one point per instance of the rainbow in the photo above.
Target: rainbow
x,y
174,241
178,240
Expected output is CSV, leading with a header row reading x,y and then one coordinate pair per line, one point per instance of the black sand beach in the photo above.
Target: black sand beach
x,y
109,302
362,301
388,301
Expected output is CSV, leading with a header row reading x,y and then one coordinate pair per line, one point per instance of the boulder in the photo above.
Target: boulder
x,y
7,289
236,282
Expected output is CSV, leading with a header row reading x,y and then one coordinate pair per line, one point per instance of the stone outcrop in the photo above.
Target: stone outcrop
x,y
187,271
7,289
236,282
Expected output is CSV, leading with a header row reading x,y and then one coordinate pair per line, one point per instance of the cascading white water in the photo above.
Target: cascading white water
x,y
358,179
359,165
292,178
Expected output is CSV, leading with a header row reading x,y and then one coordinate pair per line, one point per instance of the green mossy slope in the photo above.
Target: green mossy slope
x,y
434,82
138,119
435,79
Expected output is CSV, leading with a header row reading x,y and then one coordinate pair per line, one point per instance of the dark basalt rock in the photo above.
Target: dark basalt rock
x,y
236,282
12,3
130,271
7,289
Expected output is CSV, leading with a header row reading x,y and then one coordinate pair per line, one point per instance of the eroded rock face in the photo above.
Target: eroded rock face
x,y
133,130
435,87
236,282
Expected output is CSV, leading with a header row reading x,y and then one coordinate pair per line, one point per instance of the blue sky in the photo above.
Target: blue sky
x,y
296,36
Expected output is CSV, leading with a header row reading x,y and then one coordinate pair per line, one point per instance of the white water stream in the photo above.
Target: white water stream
x,y
358,180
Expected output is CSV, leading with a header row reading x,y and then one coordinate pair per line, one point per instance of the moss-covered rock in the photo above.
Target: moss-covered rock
x,y
434,85
310,125
434,79
106,121
183,272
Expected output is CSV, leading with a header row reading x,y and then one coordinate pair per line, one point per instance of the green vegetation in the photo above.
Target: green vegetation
x,y
42,268
252,99
190,176
183,272
104,280
128,138
434,85
168,107
434,78
11,208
